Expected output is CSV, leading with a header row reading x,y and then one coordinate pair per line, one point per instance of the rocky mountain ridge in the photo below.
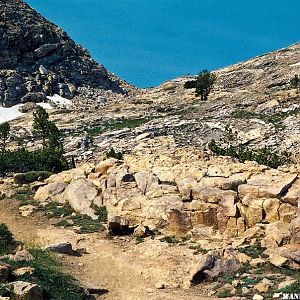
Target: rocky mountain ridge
x,y
37,58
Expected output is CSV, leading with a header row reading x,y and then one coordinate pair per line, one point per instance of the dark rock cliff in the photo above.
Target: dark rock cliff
x,y
37,58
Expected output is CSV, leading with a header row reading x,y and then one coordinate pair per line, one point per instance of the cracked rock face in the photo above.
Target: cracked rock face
x,y
37,59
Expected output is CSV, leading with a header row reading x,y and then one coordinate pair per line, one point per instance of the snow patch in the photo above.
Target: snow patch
x,y
60,101
45,105
10,113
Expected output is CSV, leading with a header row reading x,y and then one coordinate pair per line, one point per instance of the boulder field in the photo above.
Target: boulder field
x,y
214,200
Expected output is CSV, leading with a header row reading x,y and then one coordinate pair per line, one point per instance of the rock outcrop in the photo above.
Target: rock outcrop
x,y
38,59
175,198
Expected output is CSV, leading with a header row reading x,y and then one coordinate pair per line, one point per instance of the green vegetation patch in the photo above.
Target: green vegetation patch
x,y
125,123
224,294
170,239
7,242
32,176
57,210
254,251
55,284
274,119
263,156
198,249
114,154
84,222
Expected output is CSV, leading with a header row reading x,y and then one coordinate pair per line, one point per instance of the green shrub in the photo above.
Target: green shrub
x,y
5,290
4,133
199,250
254,251
117,125
86,224
225,294
169,239
56,210
112,153
139,240
22,161
55,284
191,84
262,156
7,242
32,176
102,213
295,82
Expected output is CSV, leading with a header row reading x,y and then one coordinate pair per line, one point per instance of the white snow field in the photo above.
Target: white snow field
x,y
45,105
10,113
60,101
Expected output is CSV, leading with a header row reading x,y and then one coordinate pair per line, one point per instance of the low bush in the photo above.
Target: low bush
x,y
114,154
55,284
86,224
7,242
191,84
117,125
5,290
22,161
102,213
263,156
57,210
32,176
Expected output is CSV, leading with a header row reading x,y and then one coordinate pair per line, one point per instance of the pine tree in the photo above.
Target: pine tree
x,y
4,132
295,83
41,124
204,84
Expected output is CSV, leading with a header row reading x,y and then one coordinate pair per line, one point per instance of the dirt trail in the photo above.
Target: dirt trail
x,y
107,264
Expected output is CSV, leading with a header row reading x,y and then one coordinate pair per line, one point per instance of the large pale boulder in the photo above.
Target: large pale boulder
x,y
179,222
295,230
277,234
272,183
26,291
277,260
271,209
206,262
103,166
185,187
164,174
293,195
292,252
204,217
155,212
287,212
51,191
225,183
252,210
80,194
212,195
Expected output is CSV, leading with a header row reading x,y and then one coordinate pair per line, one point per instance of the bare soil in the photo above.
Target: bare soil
x,y
110,264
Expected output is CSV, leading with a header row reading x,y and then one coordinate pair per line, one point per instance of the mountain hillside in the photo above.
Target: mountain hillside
x,y
204,194
38,59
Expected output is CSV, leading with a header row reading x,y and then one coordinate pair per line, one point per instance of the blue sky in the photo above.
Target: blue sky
x,y
147,42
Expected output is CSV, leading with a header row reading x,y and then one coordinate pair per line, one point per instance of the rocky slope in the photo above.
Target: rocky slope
x,y
262,109
187,221
38,58
241,219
